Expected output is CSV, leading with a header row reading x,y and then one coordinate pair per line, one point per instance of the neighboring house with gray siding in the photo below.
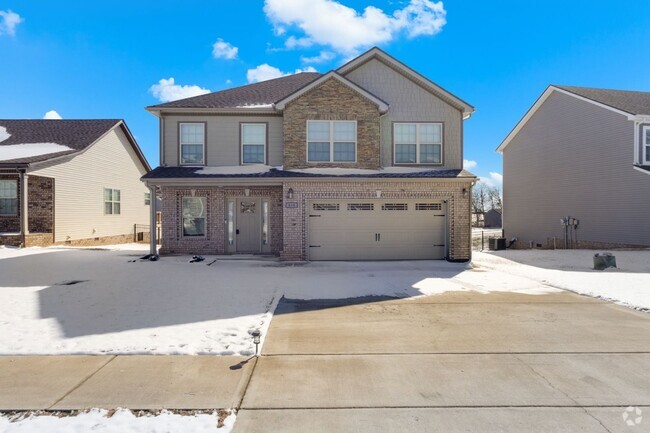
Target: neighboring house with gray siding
x,y
70,182
364,162
583,153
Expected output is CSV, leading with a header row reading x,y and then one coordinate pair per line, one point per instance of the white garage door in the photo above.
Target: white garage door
x,y
376,229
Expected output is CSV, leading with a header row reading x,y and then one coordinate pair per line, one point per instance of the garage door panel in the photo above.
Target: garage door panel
x,y
357,229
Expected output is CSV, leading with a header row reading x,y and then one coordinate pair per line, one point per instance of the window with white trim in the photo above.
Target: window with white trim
x,y
253,143
192,143
646,144
147,198
417,143
331,141
8,197
112,201
193,216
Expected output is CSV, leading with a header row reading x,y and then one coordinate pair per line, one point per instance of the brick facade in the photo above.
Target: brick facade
x,y
40,213
288,226
214,241
331,100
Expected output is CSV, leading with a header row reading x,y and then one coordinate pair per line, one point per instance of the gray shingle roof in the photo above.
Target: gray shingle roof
x,y
264,92
191,172
632,102
76,134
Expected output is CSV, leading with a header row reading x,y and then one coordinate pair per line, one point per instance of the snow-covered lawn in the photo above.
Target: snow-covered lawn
x,y
628,284
120,421
107,301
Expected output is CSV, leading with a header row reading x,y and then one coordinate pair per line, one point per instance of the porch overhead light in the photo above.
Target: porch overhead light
x,y
256,339
290,193
465,192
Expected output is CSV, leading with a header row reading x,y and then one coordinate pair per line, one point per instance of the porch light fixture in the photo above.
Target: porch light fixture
x,y
290,193
465,192
256,339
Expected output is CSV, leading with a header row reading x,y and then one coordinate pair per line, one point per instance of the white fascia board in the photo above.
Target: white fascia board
x,y
540,101
383,106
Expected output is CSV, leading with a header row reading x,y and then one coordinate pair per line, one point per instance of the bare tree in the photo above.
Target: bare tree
x,y
479,201
494,197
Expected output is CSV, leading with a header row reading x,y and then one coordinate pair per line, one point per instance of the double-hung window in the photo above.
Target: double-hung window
x,y
8,197
646,145
253,143
193,216
192,143
418,143
331,141
112,201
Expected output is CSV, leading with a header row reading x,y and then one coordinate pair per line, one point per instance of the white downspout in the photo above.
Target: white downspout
x,y
637,148
152,220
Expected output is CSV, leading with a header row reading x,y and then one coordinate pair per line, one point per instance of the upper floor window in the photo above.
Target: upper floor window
x,y
331,141
253,143
112,201
192,143
646,144
418,143
8,197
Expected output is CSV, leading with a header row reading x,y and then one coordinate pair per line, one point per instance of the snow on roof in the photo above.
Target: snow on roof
x,y
256,106
27,150
339,171
236,169
4,134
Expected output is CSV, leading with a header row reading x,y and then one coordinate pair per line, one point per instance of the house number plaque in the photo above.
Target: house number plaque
x,y
291,204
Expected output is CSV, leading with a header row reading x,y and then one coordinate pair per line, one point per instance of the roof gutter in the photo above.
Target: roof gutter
x,y
159,111
280,181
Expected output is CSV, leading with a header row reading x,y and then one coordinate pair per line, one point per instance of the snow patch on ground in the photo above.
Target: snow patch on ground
x,y
573,270
27,150
105,300
122,421
236,169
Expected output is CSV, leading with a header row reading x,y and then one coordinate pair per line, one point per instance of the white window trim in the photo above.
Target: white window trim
x,y
241,141
15,198
644,145
417,143
180,143
356,139
112,202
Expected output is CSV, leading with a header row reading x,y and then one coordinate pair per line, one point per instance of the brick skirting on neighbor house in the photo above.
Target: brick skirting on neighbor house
x,y
288,224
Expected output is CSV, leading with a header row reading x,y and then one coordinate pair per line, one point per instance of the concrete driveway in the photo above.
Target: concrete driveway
x,y
457,362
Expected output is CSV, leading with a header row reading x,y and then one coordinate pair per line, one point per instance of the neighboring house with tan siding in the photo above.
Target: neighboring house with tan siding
x,y
583,153
361,163
74,182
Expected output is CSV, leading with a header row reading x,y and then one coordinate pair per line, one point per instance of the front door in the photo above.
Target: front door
x,y
248,225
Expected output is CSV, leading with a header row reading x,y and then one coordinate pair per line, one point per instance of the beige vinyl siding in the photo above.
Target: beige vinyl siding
x,y
222,138
409,102
79,189
574,158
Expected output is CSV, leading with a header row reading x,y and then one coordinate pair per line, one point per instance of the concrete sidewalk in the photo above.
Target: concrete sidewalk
x,y
134,382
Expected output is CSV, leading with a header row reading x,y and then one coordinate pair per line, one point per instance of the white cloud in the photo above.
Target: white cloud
x,y
344,29
52,114
495,179
468,164
324,56
265,72
167,90
224,50
8,22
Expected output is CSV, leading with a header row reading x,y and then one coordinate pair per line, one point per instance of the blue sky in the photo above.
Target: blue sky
x,y
96,59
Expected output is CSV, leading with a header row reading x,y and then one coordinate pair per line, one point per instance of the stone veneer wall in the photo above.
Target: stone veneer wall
x,y
331,100
11,223
215,240
295,232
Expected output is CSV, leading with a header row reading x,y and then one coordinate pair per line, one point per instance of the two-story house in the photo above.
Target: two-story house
x,y
361,163
582,153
